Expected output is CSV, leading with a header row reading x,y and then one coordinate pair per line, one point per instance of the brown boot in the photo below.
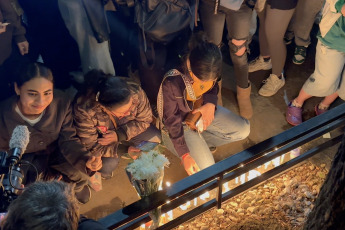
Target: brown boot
x,y
243,99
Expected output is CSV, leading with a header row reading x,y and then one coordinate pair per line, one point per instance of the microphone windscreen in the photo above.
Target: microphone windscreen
x,y
20,138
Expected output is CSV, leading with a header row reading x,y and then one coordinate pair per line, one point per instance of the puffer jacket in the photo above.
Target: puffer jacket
x,y
88,114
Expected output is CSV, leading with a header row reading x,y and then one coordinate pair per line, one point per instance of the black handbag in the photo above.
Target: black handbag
x,y
162,20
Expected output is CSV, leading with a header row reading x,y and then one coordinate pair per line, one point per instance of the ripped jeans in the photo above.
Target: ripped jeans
x,y
238,24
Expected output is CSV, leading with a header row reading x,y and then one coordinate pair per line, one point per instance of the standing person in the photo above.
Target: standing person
x,y
10,12
50,40
275,18
238,22
13,43
87,23
302,23
54,147
111,110
178,94
328,78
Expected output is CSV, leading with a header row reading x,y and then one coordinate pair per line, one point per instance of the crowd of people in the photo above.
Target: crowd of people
x,y
49,46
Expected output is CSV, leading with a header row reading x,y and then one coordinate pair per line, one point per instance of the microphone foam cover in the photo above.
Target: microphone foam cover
x,y
20,138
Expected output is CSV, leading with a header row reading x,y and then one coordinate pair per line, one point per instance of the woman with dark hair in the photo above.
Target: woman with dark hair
x,y
109,111
180,92
54,147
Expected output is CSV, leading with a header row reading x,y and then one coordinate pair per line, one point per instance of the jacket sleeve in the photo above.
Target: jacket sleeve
x,y
70,145
18,30
142,121
338,5
172,118
88,134
211,95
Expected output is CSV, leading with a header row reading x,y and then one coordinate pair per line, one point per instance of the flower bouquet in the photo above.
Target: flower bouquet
x,y
146,175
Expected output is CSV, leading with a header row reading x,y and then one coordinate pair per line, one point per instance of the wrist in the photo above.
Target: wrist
x,y
184,156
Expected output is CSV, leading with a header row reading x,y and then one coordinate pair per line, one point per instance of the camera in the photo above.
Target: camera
x,y
10,180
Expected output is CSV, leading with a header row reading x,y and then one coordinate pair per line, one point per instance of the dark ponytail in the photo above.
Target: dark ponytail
x,y
205,58
108,90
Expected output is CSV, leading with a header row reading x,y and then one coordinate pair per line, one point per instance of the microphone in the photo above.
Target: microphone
x,y
18,142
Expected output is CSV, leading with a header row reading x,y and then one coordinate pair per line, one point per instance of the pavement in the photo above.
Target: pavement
x,y
268,120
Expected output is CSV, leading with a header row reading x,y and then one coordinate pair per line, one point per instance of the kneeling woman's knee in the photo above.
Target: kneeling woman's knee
x,y
244,131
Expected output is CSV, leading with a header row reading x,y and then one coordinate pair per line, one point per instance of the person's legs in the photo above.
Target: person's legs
x,y
263,61
151,134
326,79
213,24
276,24
264,49
93,55
226,127
305,14
238,25
324,82
198,148
73,175
109,164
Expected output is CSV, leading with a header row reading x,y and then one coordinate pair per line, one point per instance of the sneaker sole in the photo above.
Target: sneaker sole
x,y
252,71
291,123
297,63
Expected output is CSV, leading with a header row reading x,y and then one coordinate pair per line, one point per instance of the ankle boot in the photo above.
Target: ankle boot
x,y
243,99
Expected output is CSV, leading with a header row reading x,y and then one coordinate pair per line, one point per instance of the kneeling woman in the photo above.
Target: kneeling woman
x,y
110,110
53,146
179,93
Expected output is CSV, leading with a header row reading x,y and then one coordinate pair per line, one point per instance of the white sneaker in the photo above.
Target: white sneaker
x,y
272,85
259,64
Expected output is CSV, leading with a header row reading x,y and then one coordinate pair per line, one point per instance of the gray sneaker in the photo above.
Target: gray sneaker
x,y
259,64
271,85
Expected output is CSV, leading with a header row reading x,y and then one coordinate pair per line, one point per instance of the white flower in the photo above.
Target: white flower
x,y
148,165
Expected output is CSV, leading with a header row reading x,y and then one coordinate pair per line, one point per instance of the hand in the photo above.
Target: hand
x,y
94,163
108,138
189,164
207,112
134,152
2,27
343,10
23,47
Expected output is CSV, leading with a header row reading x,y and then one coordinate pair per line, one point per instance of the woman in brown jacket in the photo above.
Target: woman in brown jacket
x,y
108,111
53,146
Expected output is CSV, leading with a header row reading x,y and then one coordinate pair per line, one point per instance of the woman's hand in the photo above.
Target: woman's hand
x,y
189,164
23,47
343,10
3,27
207,112
94,163
108,138
134,152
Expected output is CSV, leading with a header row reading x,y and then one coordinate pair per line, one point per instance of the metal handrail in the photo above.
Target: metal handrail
x,y
214,176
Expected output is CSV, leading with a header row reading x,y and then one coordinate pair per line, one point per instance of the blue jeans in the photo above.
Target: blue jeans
x,y
226,127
